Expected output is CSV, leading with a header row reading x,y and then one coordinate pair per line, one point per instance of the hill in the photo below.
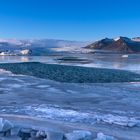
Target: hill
x,y
119,45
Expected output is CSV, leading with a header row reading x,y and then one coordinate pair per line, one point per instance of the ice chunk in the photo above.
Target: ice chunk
x,y
41,134
5,125
54,135
101,136
78,135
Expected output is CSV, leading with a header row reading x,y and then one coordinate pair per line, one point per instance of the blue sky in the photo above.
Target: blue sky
x,y
69,19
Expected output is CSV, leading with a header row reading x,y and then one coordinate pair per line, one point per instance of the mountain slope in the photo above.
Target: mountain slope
x,y
120,45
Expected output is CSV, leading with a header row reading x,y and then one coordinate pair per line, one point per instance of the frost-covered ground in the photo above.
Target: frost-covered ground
x,y
111,108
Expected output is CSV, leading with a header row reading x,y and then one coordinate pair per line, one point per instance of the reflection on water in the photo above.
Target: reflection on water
x,y
24,59
14,59
132,62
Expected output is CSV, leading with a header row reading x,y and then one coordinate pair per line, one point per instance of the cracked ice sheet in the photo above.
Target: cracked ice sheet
x,y
54,112
116,103
95,105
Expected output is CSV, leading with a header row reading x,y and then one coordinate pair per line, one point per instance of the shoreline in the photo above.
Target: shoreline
x,y
61,127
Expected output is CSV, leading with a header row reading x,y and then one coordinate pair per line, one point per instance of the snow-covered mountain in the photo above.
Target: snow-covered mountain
x,y
119,45
40,43
37,46
136,39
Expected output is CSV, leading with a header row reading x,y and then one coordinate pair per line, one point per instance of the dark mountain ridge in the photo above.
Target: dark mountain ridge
x,y
119,45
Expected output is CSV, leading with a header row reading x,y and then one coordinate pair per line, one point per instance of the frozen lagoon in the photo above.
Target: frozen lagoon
x,y
100,107
111,108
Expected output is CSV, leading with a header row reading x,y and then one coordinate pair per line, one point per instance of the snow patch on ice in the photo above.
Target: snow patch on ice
x,y
15,85
119,120
2,78
2,71
43,86
57,113
55,90
71,91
